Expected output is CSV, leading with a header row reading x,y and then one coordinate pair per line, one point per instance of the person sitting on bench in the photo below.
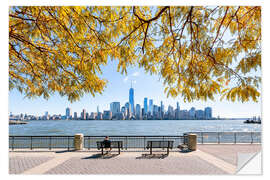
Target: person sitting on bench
x,y
107,144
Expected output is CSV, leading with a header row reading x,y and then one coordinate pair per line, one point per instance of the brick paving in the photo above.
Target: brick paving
x,y
19,164
229,152
208,159
130,165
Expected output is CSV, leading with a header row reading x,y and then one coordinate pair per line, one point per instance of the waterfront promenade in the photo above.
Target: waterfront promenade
x,y
208,159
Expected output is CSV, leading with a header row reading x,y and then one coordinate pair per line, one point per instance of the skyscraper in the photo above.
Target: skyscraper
x,y
161,106
208,113
138,111
107,115
99,116
192,112
199,114
145,106
83,114
128,107
131,99
161,110
155,112
115,107
124,110
75,115
151,106
177,111
171,112
46,115
68,113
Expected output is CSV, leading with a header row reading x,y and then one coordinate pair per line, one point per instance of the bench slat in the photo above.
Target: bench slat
x,y
159,144
114,144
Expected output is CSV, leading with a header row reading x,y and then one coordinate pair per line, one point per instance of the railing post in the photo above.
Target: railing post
x,y
234,137
88,142
144,142
218,138
202,136
163,142
50,143
126,142
12,143
184,140
151,147
251,137
31,146
68,143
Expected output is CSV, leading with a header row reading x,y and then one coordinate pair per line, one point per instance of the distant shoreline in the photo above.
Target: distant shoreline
x,y
142,120
12,122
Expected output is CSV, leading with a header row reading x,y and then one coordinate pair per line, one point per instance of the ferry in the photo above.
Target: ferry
x,y
253,120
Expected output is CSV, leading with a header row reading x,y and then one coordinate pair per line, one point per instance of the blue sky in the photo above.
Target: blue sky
x,y
145,85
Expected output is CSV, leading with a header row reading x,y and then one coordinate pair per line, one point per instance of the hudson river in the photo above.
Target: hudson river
x,y
129,127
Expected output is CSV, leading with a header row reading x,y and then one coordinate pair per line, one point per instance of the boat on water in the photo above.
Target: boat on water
x,y
253,121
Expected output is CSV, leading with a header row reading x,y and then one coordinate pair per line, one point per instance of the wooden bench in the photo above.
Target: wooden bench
x,y
159,144
114,144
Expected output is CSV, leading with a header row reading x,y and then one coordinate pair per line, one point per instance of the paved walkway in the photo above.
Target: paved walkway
x,y
208,159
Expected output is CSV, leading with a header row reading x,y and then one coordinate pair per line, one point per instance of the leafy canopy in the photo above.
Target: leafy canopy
x,y
197,51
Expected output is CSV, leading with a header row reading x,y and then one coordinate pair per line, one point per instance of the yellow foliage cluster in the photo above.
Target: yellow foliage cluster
x,y
198,51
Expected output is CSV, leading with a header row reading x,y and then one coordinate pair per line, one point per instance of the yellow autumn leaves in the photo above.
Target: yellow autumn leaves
x,y
198,51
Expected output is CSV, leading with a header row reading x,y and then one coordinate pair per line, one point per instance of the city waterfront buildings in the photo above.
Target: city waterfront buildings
x,y
68,113
83,114
145,106
192,112
93,116
149,111
115,107
151,106
131,99
75,115
208,113
107,115
199,114
138,111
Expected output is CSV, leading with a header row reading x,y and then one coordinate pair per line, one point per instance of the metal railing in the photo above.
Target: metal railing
x,y
130,142
227,137
67,142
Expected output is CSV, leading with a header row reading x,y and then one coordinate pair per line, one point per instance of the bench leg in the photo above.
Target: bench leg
x,y
167,151
150,151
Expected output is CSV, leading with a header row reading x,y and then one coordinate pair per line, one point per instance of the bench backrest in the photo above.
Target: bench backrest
x,y
114,144
160,144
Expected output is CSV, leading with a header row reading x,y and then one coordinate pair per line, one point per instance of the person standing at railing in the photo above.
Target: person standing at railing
x,y
107,144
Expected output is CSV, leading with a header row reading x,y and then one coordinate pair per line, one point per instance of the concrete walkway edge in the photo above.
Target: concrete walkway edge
x,y
42,168
227,167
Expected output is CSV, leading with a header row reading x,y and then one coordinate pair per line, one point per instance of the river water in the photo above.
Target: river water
x,y
129,127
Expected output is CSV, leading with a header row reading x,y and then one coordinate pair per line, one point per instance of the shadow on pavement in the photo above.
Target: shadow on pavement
x,y
185,151
100,156
64,151
152,156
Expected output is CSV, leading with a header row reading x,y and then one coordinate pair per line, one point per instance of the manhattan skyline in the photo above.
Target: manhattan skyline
x,y
117,89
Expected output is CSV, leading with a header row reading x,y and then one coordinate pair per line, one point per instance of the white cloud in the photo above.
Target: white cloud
x,y
135,74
